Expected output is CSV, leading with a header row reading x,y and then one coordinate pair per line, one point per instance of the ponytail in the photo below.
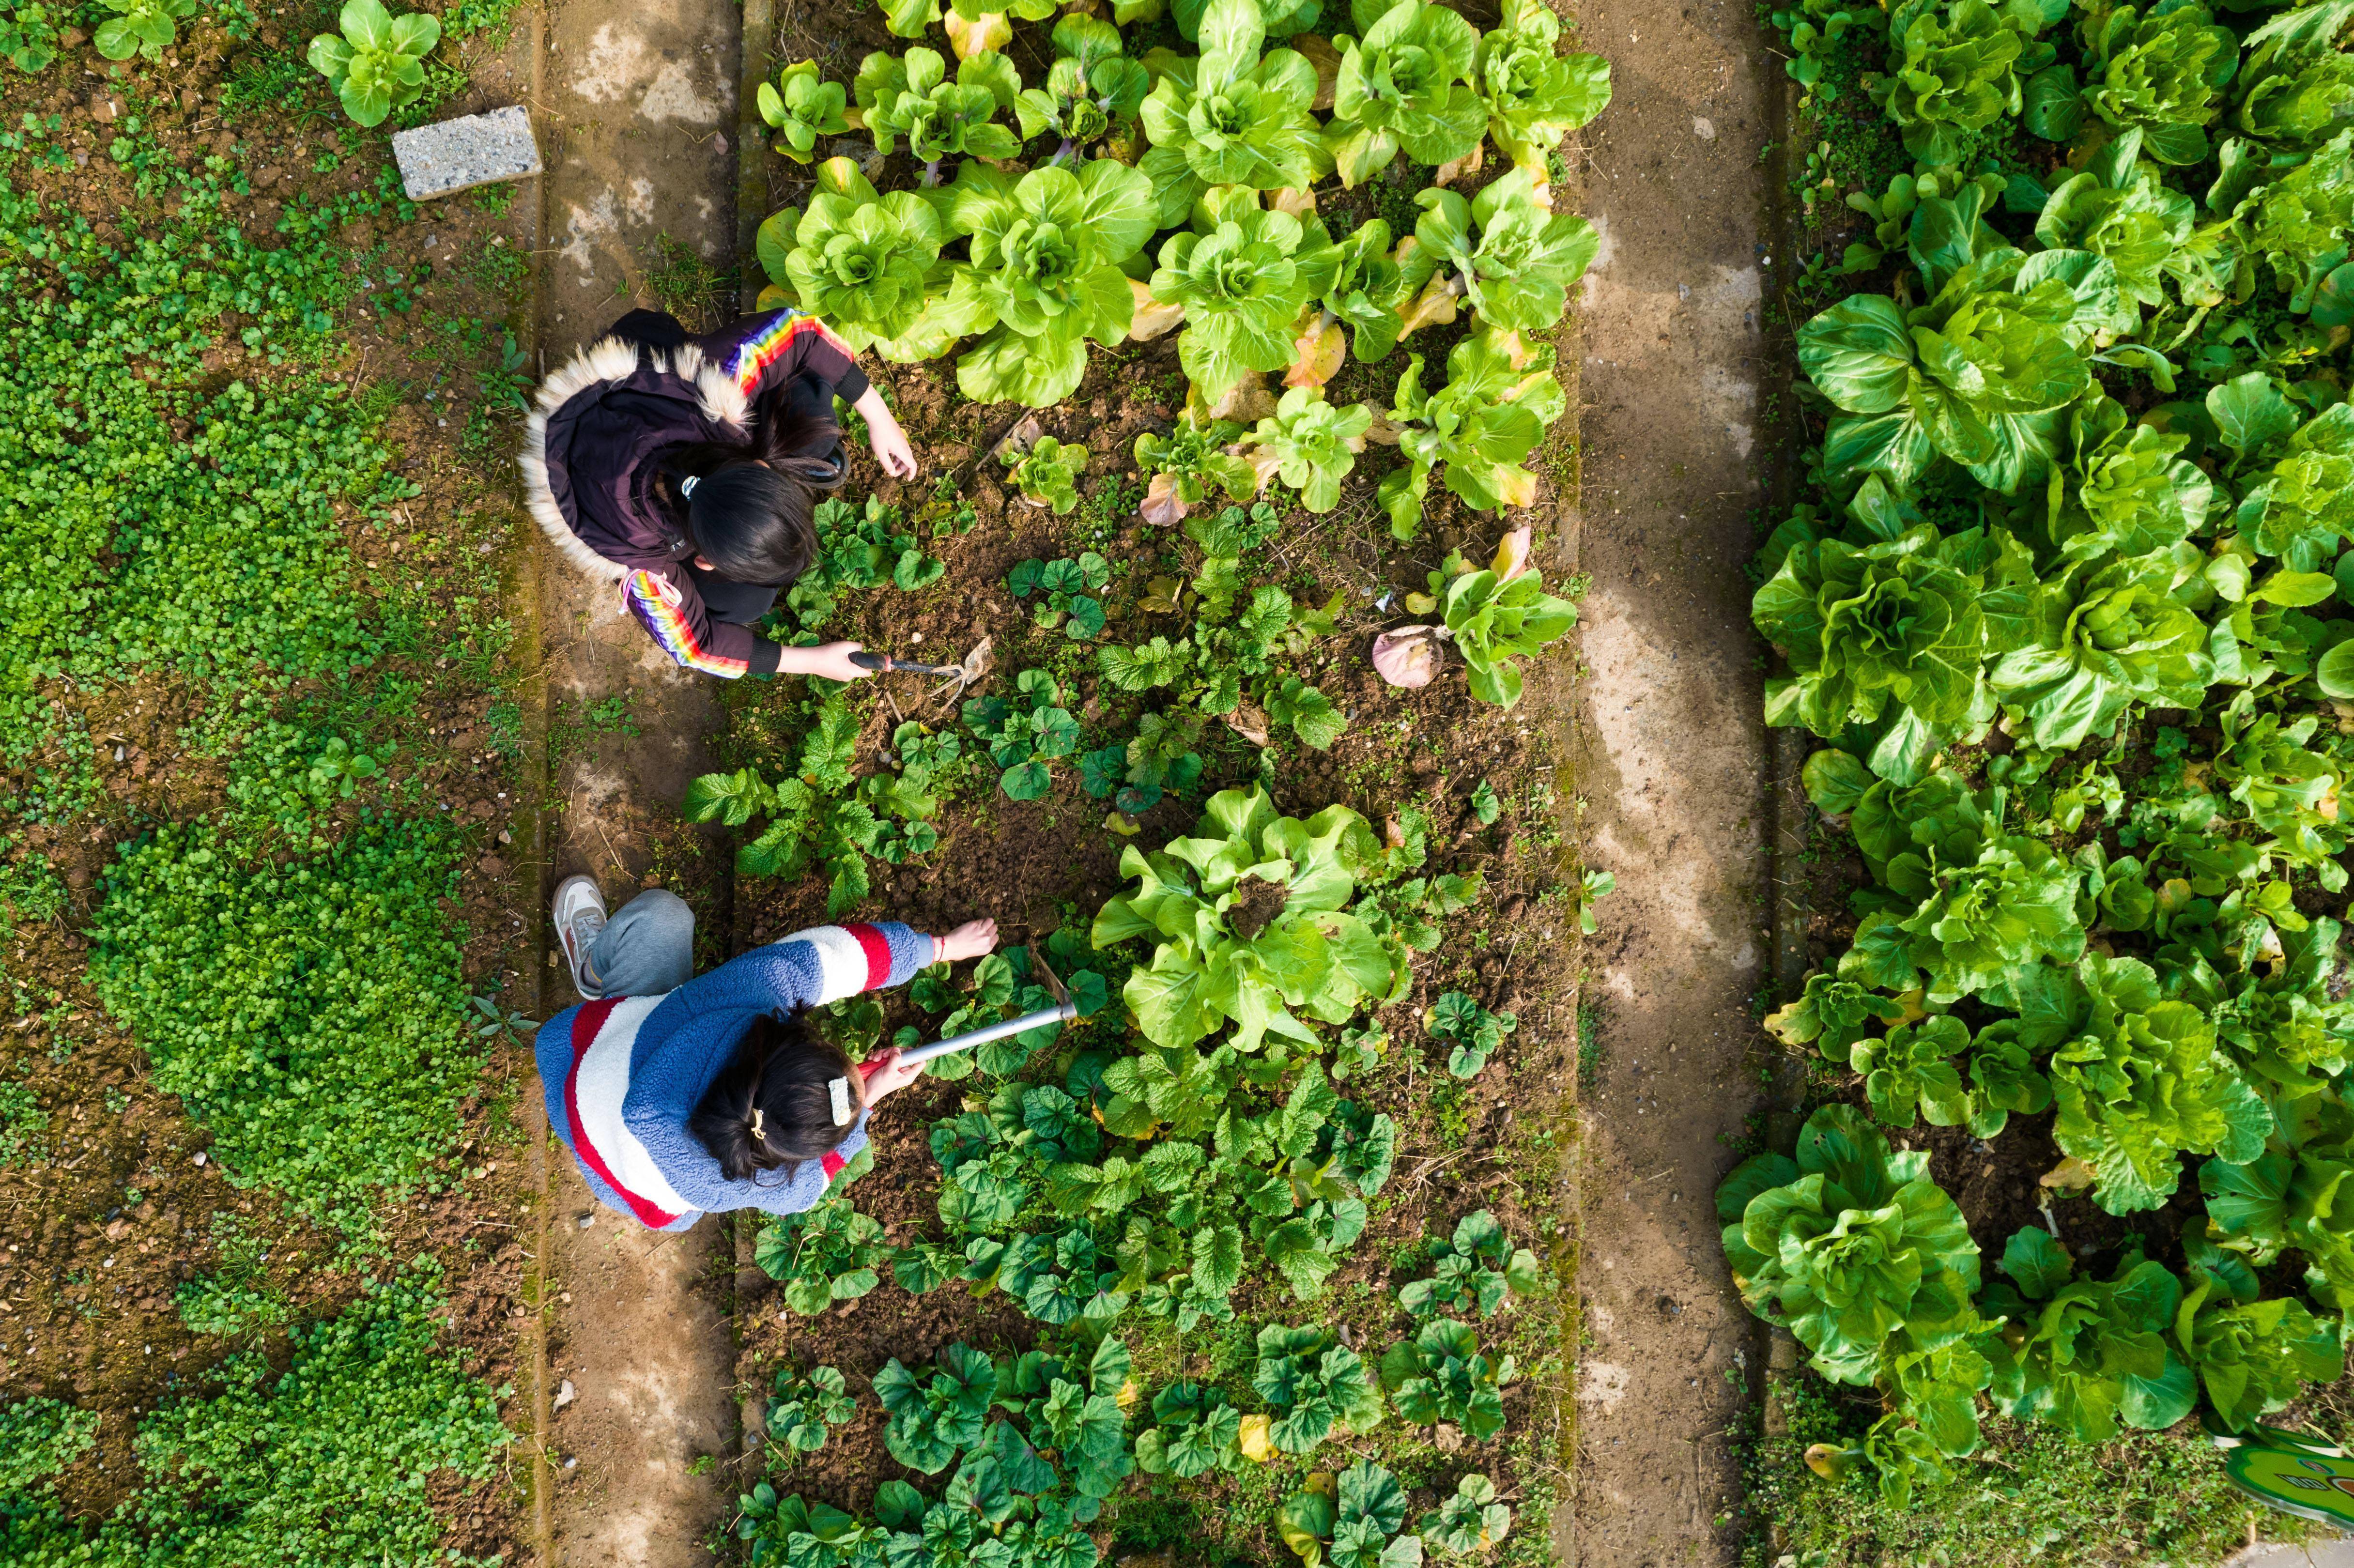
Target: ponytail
x,y
785,1096
750,505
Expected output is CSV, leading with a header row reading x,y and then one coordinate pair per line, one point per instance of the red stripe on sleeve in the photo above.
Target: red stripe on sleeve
x,y
877,949
833,1162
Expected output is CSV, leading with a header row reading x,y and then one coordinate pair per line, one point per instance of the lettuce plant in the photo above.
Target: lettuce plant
x,y
1467,1521
800,106
805,1406
1314,1387
1909,1072
1251,920
2298,1193
2118,208
1242,275
2295,83
1441,1375
1230,118
1092,87
1048,473
1352,1519
2159,72
1366,290
1310,445
1479,428
2100,637
1492,620
2086,1354
1518,272
1981,919
1478,1269
1534,96
376,65
910,95
2296,475
932,1418
863,262
2253,1357
1195,1431
822,1255
2298,226
2138,1080
1042,276
1189,463
2274,1016
1855,1251
2128,492
1894,630
1954,68
1403,87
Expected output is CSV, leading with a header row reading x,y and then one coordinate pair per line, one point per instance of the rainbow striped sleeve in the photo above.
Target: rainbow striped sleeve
x,y
678,626
785,338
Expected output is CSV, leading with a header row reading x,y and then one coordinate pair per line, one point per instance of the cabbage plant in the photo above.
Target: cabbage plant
x,y
863,262
2101,636
1231,118
2298,1193
1441,1375
1314,1387
2296,475
2296,87
1250,919
1242,274
1310,445
1042,275
2298,226
910,95
1091,88
2138,1081
1518,272
376,65
1467,1521
1854,1250
2086,1354
1533,95
1187,465
1499,395
1403,88
800,106
2253,1357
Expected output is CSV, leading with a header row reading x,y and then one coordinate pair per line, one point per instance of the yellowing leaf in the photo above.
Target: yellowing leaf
x,y
989,30
1152,317
1511,554
1256,1438
2071,1175
1319,352
1421,603
1434,306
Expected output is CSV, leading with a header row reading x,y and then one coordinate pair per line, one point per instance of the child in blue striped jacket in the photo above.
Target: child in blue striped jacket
x,y
681,1097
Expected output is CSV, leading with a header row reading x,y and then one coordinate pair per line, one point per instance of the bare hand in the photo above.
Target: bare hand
x,y
891,448
970,941
831,660
887,1074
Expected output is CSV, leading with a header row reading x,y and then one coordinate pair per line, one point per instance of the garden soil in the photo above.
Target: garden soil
x,y
1670,758
636,112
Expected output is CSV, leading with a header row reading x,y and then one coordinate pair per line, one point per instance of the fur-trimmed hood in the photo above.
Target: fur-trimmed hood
x,y
589,451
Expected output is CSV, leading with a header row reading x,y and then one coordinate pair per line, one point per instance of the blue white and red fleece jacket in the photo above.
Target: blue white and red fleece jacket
x,y
603,424
622,1076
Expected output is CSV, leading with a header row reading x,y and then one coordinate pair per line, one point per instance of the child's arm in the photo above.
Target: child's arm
x,y
827,963
771,349
883,433
667,605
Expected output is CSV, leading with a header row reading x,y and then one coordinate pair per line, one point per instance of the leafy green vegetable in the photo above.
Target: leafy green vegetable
x,y
2253,1357
931,1419
1187,464
800,106
822,1255
1229,118
1402,88
805,1404
2159,72
1068,590
862,261
911,96
1352,1519
1470,1031
1518,271
1048,473
147,27
1491,622
1314,1387
1025,741
1955,68
2084,1353
1242,274
1469,1519
1251,920
1311,445
1441,1375
1533,96
1195,1432
375,64
858,547
1499,395
1091,88
1478,1269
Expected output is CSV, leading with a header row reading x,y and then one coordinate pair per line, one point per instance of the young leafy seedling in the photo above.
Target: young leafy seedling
x,y
822,1255
1069,591
1048,473
1194,1431
1441,1375
376,64
1470,1031
804,1408
1025,741
1469,1522
1478,1270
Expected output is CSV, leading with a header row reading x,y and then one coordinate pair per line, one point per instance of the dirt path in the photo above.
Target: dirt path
x,y
1671,761
636,112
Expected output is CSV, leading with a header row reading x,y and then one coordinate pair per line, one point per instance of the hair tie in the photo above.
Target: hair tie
x,y
757,1135
687,486
839,1089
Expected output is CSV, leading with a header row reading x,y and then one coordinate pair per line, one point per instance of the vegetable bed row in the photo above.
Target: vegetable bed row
x,y
2066,606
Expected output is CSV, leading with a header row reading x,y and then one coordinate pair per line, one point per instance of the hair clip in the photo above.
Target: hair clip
x,y
758,1135
839,1089
687,486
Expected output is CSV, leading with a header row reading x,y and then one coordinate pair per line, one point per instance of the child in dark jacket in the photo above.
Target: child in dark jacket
x,y
685,471
683,1095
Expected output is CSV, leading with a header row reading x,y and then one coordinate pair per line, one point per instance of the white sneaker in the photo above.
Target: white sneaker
x,y
579,917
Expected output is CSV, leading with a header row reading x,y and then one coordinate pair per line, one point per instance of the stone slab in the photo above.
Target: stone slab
x,y
459,155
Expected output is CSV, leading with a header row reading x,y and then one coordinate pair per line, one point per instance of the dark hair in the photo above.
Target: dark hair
x,y
751,514
781,1070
